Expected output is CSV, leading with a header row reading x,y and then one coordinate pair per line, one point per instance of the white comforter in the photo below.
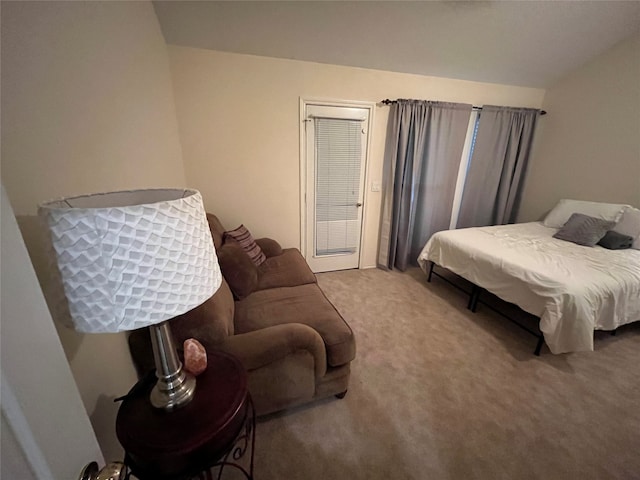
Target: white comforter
x,y
573,289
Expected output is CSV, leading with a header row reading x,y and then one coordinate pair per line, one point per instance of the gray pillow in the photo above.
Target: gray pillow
x,y
615,241
584,230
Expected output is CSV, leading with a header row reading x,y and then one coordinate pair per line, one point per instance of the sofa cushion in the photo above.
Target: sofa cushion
x,y
217,230
304,304
246,241
210,323
269,246
286,270
238,269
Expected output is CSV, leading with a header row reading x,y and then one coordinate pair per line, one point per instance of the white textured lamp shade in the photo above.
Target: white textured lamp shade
x,y
132,259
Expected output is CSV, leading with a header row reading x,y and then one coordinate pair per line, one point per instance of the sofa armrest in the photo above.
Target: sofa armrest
x,y
261,347
269,246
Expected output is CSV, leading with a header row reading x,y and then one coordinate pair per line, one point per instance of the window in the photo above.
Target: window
x,y
465,162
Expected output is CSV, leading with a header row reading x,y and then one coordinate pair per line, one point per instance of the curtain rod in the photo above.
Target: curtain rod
x,y
386,101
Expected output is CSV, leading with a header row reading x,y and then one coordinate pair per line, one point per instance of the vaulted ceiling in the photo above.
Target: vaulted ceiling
x,y
527,43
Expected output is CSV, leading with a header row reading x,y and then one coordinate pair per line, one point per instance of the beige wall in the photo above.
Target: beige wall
x,y
239,125
87,105
588,147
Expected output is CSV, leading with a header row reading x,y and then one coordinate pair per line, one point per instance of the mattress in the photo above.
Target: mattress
x,y
573,289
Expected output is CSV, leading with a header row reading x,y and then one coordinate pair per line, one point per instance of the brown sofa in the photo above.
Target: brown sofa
x,y
294,344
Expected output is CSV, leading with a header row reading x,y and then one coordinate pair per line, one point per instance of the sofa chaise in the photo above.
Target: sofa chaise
x,y
275,319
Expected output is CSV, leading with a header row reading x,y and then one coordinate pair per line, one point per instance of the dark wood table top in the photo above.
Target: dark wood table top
x,y
181,443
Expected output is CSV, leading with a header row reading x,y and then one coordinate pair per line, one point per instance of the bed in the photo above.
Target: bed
x,y
573,289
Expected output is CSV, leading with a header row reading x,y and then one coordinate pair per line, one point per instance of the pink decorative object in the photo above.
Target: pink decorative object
x,y
195,356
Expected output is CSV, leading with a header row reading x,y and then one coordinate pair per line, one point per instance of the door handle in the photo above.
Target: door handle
x,y
358,204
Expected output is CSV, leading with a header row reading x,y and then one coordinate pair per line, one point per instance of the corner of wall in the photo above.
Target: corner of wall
x,y
587,145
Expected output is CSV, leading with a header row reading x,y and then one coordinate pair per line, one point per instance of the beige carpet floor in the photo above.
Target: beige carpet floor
x,y
438,392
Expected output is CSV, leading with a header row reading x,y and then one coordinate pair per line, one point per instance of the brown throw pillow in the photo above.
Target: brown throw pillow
x,y
246,241
238,270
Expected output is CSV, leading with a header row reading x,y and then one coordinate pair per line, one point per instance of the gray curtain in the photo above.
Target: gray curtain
x,y
493,187
424,146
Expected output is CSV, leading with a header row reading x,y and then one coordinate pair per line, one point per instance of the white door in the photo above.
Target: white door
x,y
45,432
336,141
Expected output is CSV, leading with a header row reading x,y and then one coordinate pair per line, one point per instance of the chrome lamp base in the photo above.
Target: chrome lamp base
x,y
175,387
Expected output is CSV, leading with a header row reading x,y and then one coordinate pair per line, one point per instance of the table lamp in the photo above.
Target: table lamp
x,y
132,259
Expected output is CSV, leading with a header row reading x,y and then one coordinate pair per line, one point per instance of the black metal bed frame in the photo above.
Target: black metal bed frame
x,y
474,299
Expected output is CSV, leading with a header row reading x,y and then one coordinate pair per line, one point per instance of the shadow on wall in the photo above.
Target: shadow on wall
x,y
35,237
103,420
101,364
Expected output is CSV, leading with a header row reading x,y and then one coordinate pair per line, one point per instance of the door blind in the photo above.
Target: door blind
x,y
338,145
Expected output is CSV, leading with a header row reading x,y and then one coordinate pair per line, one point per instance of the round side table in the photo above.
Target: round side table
x,y
214,430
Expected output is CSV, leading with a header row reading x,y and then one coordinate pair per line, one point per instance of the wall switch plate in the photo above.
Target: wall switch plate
x,y
376,186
